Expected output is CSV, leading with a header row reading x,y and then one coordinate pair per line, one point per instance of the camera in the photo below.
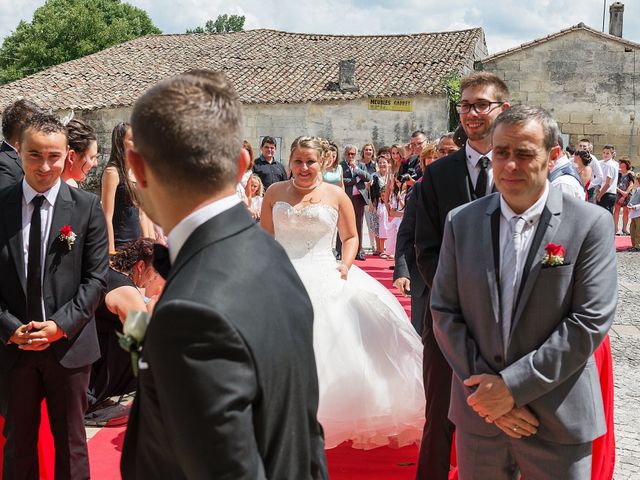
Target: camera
x,y
410,175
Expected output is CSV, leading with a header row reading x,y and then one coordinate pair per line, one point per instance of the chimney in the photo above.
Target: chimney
x,y
616,11
347,76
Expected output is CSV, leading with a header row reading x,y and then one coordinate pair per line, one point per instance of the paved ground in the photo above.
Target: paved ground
x,y
625,346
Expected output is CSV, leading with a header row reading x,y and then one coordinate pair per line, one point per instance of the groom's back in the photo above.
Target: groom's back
x,y
231,386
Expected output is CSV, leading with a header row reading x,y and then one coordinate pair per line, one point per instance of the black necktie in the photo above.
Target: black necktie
x,y
34,268
481,184
161,260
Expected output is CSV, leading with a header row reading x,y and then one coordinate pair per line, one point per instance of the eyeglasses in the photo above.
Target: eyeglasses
x,y
483,106
351,154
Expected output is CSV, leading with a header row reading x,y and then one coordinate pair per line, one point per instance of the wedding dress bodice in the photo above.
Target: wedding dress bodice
x,y
306,232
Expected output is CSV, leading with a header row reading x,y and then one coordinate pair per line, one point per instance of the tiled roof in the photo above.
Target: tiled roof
x,y
576,28
266,66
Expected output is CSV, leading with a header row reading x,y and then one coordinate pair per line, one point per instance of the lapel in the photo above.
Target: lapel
x,y
13,223
62,211
491,245
224,225
545,233
461,181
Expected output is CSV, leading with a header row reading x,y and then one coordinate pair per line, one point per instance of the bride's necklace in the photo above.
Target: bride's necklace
x,y
293,182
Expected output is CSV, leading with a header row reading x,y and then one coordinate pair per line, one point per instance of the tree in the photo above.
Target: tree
x,y
223,24
63,30
451,83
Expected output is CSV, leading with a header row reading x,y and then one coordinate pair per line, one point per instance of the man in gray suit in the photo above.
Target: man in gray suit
x,y
519,323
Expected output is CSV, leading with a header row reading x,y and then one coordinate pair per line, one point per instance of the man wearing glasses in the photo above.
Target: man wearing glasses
x,y
446,184
355,177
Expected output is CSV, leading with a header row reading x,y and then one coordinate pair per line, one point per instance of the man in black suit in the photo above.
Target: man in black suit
x,y
406,276
13,119
355,177
54,260
412,164
227,384
448,183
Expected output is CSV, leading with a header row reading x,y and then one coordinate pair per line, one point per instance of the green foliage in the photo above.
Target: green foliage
x,y
223,24
63,30
451,83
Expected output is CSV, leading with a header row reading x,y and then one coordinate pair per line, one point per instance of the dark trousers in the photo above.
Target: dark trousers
x,y
358,206
435,451
591,192
418,307
608,201
34,377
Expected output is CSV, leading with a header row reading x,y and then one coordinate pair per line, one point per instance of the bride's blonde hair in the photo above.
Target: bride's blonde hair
x,y
318,144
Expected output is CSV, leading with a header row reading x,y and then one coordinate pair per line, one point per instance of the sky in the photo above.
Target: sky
x,y
506,23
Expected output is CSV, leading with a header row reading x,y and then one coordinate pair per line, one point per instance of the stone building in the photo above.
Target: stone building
x,y
352,89
589,80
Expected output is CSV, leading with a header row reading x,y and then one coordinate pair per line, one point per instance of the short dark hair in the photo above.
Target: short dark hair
x,y
626,162
43,123
571,149
608,146
15,116
80,135
486,79
418,132
521,114
131,253
268,139
187,128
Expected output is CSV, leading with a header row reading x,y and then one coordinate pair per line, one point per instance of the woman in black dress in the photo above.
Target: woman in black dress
x,y
125,221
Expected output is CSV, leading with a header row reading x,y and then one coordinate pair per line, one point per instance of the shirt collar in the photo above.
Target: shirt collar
x,y
561,162
183,230
532,214
50,195
473,156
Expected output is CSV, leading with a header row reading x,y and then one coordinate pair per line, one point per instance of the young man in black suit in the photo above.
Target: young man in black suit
x,y
54,260
446,184
13,119
227,384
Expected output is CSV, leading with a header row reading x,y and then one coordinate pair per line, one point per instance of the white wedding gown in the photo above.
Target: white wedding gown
x,y
369,357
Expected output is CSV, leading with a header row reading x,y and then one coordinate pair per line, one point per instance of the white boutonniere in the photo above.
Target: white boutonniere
x,y
134,330
67,235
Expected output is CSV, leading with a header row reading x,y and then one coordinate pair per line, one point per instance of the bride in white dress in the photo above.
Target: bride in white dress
x,y
368,356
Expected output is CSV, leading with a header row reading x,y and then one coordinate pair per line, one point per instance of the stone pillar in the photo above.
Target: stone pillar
x,y
616,11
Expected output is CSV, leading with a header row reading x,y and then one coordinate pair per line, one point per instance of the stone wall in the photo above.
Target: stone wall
x,y
589,82
343,122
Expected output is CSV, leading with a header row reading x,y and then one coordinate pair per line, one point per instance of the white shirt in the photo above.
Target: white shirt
x,y
473,157
183,230
566,183
46,217
610,169
596,179
532,218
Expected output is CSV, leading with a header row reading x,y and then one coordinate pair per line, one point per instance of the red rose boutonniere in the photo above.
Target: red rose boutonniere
x,y
67,235
554,256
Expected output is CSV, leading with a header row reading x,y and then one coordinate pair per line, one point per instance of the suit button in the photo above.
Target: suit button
x,y
498,359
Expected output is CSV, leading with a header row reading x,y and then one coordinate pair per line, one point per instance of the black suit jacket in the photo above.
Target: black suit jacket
x,y
445,185
360,179
405,253
230,387
74,280
10,166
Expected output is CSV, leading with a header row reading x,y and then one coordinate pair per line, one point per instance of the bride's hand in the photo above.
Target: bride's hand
x,y
344,270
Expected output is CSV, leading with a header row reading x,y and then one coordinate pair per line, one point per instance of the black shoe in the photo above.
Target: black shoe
x,y
360,257
113,416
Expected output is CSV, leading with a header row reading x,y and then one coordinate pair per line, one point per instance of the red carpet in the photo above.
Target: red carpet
x,y
623,243
345,463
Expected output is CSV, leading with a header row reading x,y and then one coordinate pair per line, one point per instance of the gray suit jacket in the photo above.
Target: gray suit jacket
x,y
561,316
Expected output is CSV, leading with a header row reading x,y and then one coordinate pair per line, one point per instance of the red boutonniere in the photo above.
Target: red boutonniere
x,y
67,235
554,256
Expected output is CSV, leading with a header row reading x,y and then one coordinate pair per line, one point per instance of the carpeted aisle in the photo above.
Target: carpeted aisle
x,y
345,463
